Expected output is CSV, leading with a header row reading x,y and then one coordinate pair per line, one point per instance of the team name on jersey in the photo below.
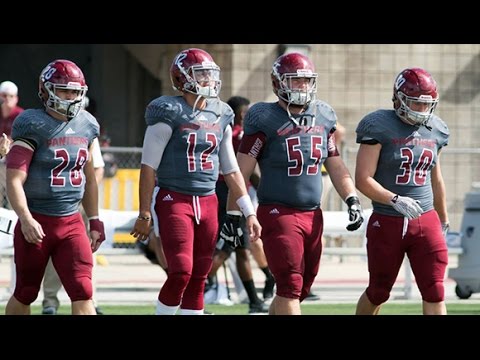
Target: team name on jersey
x,y
317,129
415,142
68,140
205,126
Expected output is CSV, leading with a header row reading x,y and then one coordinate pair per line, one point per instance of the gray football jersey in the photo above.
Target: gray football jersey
x,y
293,155
190,162
407,156
56,180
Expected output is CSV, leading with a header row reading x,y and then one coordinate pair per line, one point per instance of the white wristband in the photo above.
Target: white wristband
x,y
246,206
93,218
350,195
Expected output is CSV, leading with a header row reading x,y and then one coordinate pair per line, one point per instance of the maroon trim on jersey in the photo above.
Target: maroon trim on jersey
x,y
332,145
19,158
253,144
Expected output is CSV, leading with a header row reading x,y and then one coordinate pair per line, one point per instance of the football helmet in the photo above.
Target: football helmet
x,y
415,96
194,71
62,74
288,72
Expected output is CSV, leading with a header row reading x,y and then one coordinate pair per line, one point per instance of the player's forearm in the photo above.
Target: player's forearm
x,y
236,187
373,190
341,178
17,198
440,199
90,198
147,184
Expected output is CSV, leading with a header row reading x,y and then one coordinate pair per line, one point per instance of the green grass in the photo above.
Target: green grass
x,y
308,309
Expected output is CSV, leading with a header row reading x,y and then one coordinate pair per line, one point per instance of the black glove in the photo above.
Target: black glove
x,y
231,231
355,213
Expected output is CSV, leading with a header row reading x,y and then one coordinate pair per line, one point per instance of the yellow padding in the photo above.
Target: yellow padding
x,y
121,191
123,238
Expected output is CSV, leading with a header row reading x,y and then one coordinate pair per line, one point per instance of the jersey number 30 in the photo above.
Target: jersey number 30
x,y
420,172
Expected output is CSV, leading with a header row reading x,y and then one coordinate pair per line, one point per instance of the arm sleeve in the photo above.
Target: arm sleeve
x,y
156,139
97,157
226,154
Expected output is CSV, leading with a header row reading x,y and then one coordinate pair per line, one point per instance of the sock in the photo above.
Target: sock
x,y
163,309
251,291
266,271
190,312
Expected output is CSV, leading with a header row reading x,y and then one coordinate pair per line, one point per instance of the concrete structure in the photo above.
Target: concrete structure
x,y
353,78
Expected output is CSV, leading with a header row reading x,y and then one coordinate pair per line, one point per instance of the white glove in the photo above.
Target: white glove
x,y
406,206
445,228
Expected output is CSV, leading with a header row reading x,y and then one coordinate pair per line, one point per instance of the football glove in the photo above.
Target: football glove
x,y
231,231
355,213
407,206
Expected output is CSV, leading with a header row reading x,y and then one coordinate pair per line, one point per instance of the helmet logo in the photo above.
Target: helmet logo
x,y
179,60
276,65
399,82
49,73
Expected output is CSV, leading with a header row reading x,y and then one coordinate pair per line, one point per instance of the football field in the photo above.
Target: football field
x,y
308,309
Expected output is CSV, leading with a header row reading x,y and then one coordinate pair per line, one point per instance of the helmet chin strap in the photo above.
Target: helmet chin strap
x,y
292,118
290,114
68,109
195,112
195,105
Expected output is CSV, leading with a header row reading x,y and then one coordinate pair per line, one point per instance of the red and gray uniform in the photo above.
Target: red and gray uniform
x,y
186,204
290,156
407,157
56,181
54,188
190,161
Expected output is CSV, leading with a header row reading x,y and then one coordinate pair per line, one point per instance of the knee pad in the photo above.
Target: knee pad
x,y
377,294
26,294
173,289
80,289
179,281
289,285
434,293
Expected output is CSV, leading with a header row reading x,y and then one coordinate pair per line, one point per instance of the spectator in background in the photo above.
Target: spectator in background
x,y
49,172
9,106
51,282
187,139
9,110
239,106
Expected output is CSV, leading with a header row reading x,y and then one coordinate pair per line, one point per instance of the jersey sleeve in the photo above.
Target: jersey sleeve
x,y
368,131
161,110
252,121
26,127
93,124
442,133
228,113
329,115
